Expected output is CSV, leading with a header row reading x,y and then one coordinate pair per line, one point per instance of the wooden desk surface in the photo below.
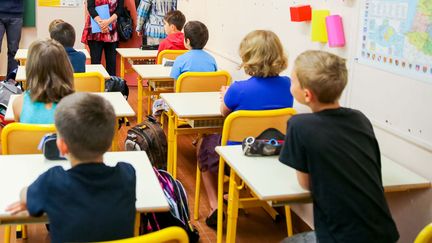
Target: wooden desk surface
x,y
22,54
153,71
18,171
136,53
120,104
194,105
271,180
21,74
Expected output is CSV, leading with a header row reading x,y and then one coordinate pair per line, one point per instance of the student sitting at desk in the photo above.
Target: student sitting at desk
x,y
173,25
336,155
90,202
49,79
263,58
65,34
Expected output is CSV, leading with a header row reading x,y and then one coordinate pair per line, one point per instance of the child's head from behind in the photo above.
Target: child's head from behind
x,y
85,123
174,21
196,35
320,73
49,72
262,54
63,33
54,23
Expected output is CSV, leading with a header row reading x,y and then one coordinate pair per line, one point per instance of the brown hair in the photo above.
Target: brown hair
x,y
325,74
86,123
49,72
63,33
262,54
54,23
176,18
197,33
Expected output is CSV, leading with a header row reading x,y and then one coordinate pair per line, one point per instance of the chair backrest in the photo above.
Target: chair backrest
x,y
170,234
169,54
23,138
242,124
425,236
89,82
202,81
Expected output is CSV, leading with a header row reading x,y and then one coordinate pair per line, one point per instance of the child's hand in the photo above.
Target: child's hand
x,y
16,208
223,90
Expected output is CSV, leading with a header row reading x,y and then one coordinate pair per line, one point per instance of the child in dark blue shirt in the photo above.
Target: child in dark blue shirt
x,y
90,202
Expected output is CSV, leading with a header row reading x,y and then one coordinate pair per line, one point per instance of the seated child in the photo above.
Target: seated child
x,y
90,202
173,25
195,60
336,155
65,34
47,82
263,58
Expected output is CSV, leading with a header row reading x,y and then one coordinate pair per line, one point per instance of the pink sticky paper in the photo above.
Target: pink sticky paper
x,y
335,31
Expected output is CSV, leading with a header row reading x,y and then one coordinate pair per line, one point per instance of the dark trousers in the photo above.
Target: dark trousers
x,y
109,48
12,28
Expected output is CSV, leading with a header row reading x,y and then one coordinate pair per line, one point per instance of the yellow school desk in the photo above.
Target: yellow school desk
x,y
133,55
120,104
201,110
21,55
159,80
149,194
273,181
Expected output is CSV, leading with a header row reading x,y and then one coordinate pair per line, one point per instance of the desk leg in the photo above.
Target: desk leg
x,y
7,234
149,98
233,201
137,223
122,67
170,141
221,175
288,220
174,153
140,100
114,145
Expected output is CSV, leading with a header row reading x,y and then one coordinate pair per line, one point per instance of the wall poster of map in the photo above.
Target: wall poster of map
x,y
396,35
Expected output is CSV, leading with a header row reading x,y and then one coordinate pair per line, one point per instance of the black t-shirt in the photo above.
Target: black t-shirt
x,y
90,202
339,151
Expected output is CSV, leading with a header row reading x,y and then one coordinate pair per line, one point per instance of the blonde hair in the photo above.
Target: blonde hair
x,y
262,54
54,23
49,72
325,74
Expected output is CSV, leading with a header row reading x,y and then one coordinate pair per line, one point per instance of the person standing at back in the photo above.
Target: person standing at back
x,y
11,21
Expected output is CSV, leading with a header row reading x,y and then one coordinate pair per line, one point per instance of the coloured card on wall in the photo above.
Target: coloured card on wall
x,y
397,36
60,3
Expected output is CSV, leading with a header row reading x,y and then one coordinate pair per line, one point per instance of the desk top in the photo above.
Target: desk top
x,y
194,105
272,180
22,54
136,53
120,104
153,71
150,197
21,74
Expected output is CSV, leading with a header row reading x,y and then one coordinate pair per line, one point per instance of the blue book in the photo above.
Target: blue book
x,y
104,13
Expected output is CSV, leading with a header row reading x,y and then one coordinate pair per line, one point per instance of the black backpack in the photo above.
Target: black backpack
x,y
125,25
117,84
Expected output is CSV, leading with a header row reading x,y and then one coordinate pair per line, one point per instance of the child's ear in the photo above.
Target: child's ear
x,y
187,43
308,95
62,146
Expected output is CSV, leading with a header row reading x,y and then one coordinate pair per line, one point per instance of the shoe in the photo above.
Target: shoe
x,y
211,220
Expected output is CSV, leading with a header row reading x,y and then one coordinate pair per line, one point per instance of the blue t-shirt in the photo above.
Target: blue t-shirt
x,y
90,202
35,112
195,60
77,59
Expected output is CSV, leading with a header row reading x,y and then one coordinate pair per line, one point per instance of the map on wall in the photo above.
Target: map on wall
x,y
396,36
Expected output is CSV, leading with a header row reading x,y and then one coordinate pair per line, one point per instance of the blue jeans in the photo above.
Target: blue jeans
x,y
12,28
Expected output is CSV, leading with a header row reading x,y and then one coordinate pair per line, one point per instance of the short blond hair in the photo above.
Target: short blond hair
x,y
54,23
325,74
262,54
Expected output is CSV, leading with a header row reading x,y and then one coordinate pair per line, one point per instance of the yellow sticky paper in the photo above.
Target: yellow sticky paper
x,y
49,3
319,29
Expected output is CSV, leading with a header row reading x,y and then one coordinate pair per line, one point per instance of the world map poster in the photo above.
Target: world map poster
x,y
396,35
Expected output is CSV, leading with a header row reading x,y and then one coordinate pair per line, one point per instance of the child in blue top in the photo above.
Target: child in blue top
x,y
263,58
196,60
49,78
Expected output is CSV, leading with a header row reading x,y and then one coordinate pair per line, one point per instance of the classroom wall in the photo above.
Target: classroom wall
x,y
228,22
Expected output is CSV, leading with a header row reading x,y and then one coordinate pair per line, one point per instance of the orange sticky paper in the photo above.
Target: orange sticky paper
x,y
319,29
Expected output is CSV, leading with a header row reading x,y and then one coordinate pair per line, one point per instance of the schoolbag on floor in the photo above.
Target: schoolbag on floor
x,y
149,136
179,208
6,90
117,84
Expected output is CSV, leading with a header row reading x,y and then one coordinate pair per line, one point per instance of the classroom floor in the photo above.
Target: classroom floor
x,y
253,226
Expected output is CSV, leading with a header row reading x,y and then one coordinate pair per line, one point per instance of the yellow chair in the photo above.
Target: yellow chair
x,y
22,138
425,236
89,82
169,54
170,234
237,126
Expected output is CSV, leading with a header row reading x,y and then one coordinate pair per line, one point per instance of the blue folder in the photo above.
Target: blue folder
x,y
104,13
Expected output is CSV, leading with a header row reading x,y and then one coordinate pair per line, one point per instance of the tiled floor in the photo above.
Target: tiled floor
x,y
253,226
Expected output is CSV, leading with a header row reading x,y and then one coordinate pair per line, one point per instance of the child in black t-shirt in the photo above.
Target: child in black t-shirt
x,y
336,155
90,202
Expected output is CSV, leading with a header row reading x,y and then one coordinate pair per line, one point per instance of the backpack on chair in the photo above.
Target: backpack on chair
x,y
7,88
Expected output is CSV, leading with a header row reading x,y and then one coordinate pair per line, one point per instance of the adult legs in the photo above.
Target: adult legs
x,y
12,27
95,51
110,57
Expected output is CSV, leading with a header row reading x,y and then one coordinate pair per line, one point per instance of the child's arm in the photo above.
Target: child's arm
x,y
223,108
303,180
19,206
143,13
17,107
